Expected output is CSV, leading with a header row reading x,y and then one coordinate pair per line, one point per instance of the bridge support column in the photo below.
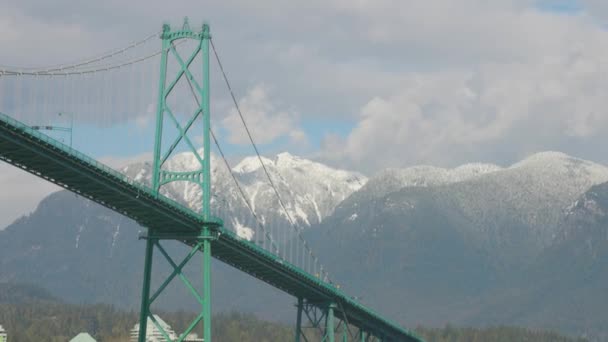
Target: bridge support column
x,y
145,293
200,243
300,307
325,321
362,335
329,324
320,318
206,288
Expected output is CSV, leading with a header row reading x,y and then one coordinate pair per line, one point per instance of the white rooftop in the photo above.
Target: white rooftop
x,y
83,337
152,333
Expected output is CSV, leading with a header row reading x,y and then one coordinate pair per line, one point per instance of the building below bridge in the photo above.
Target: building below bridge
x,y
153,334
3,335
83,337
193,338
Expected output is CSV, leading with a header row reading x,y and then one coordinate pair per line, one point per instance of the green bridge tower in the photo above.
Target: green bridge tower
x,y
200,239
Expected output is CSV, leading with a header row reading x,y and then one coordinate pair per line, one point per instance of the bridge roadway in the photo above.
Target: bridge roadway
x,y
48,158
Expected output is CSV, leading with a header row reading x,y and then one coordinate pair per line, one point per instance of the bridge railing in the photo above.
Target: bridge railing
x,y
94,163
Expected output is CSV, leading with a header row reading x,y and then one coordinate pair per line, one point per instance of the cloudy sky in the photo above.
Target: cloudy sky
x,y
361,84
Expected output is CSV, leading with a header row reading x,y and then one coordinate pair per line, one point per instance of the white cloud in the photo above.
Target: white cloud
x,y
266,122
298,137
27,36
596,8
458,81
448,117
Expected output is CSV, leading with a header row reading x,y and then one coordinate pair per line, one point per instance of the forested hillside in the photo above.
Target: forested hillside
x,y
494,334
30,314
59,322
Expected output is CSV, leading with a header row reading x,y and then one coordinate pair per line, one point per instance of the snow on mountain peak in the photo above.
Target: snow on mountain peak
x,y
424,175
309,190
546,158
471,170
552,167
251,164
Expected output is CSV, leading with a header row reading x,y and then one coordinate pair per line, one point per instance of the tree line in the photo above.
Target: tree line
x,y
30,314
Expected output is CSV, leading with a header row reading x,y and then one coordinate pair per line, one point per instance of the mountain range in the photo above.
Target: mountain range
x,y
478,244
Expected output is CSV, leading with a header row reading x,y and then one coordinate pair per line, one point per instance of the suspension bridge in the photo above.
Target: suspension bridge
x,y
124,84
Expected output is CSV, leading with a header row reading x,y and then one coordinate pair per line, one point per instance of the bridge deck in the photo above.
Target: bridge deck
x,y
47,158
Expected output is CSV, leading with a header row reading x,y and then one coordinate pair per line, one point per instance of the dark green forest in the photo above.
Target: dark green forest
x,y
493,334
30,314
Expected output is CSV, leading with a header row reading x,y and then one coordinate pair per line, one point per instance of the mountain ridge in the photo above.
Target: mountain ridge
x,y
440,249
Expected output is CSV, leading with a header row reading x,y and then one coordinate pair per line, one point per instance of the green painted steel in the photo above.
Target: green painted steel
x,y
69,130
145,306
300,307
160,112
327,319
202,176
207,289
329,326
200,244
202,240
206,109
34,152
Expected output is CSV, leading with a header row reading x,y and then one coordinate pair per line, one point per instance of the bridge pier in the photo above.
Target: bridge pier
x,y
200,242
322,322
145,294
300,307
329,324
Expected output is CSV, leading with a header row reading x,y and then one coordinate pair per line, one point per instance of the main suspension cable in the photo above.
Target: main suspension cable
x,y
61,67
276,191
79,72
103,68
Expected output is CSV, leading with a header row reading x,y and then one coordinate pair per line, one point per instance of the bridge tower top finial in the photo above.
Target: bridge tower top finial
x,y
186,26
206,30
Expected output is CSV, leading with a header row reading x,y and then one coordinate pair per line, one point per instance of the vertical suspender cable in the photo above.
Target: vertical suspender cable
x,y
2,87
281,203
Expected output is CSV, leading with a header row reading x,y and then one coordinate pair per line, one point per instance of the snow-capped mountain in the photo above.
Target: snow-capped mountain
x,y
515,211
565,287
391,180
532,193
310,191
